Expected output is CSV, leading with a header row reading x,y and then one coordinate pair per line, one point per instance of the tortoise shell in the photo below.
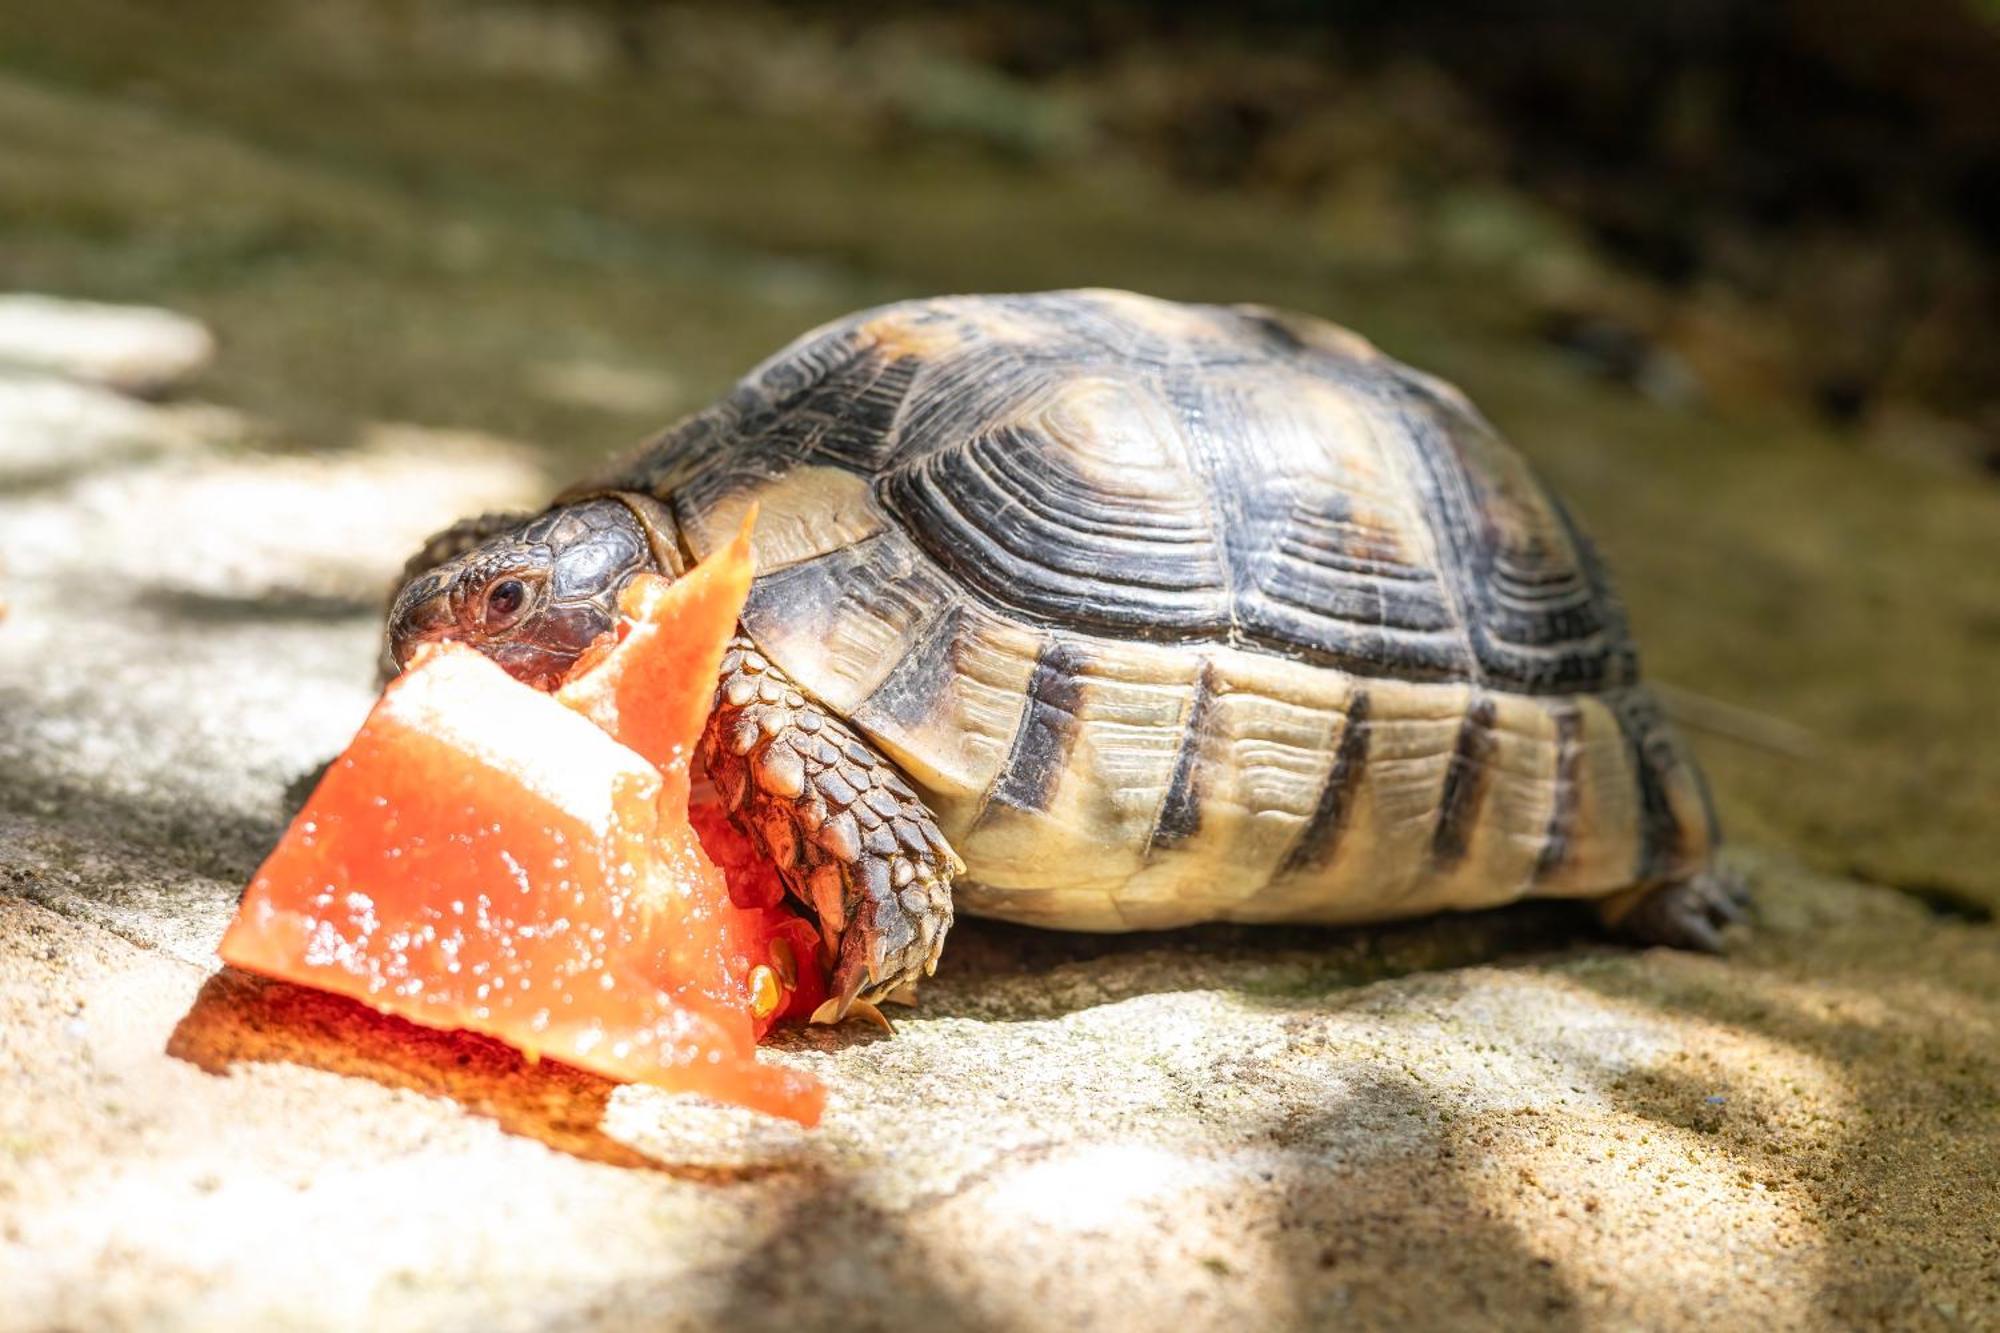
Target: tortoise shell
x,y
1179,613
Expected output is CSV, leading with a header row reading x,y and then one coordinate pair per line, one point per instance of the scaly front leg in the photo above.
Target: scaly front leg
x,y
852,841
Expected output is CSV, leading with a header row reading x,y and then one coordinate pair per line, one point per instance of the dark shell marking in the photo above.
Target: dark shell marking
x,y
1562,808
1318,840
1464,784
1180,812
1048,733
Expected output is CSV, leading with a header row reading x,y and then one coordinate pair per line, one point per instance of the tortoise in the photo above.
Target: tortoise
x,y
1096,611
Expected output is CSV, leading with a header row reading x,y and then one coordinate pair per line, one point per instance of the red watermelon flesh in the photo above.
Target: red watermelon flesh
x,y
483,857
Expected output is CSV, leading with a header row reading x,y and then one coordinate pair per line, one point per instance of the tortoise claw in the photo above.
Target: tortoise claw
x,y
864,1010
830,1014
1690,914
850,976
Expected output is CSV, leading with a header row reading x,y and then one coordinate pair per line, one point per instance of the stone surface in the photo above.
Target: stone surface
x,y
132,348
52,427
1486,1121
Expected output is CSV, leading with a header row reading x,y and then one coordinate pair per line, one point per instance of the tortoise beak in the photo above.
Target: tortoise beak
x,y
423,613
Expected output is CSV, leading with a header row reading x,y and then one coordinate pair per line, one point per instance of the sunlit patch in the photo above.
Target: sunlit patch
x,y
1092,1188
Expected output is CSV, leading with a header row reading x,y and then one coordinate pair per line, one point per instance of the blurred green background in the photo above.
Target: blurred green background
x,y
1730,274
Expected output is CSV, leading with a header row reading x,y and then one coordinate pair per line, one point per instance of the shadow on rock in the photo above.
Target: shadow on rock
x,y
996,971
1302,1224
856,1264
1892,1147
1398,1236
184,831
240,1018
184,606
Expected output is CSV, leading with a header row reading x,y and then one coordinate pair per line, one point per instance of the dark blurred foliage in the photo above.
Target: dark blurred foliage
x,y
1825,171
1712,202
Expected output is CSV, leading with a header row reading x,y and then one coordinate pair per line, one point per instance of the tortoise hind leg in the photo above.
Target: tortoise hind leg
x,y
1685,914
849,837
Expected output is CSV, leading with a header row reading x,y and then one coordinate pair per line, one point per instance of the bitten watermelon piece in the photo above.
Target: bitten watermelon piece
x,y
652,683
635,683
484,857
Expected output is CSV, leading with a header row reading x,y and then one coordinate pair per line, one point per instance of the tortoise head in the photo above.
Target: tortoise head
x,y
529,591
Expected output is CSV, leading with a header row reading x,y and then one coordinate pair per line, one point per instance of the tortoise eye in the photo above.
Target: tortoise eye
x,y
504,601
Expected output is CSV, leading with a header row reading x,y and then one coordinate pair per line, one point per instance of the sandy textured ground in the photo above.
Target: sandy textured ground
x,y
1492,1121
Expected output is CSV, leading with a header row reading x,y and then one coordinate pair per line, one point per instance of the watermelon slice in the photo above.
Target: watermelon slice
x,y
483,856
636,681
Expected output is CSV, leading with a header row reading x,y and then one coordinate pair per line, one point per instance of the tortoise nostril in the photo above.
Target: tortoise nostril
x,y
422,615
